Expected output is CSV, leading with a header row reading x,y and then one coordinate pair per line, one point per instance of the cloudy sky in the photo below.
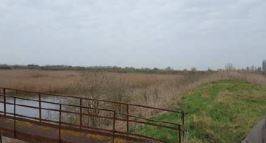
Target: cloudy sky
x,y
139,33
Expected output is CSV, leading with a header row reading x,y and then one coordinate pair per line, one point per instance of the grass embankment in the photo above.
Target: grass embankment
x,y
219,112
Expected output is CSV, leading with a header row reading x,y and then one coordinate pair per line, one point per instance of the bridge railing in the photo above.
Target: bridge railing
x,y
117,120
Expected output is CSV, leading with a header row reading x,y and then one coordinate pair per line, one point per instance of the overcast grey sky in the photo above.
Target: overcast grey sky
x,y
139,33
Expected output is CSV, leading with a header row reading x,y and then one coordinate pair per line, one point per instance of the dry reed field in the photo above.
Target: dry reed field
x,y
43,81
157,90
127,87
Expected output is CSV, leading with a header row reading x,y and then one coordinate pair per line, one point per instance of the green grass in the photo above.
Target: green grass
x,y
219,112
157,132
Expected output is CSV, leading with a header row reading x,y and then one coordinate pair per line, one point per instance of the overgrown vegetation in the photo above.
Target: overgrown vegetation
x,y
222,111
142,88
222,106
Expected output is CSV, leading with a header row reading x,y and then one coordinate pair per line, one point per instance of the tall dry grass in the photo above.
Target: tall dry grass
x,y
127,87
251,77
157,90
43,81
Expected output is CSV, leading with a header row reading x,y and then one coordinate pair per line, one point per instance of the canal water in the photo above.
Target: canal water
x,y
91,121
30,112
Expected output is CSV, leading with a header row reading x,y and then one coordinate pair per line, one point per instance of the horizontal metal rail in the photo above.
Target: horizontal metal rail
x,y
101,100
179,128
94,115
128,105
55,103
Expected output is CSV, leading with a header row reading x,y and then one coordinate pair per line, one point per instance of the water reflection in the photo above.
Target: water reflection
x,y
31,112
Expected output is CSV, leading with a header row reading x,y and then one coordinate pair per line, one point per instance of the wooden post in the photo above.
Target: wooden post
x,y
15,117
80,112
40,107
60,118
4,92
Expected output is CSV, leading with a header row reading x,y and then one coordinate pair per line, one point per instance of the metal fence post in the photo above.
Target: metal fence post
x,y
80,112
15,117
127,118
4,92
60,118
179,133
40,107
114,118
183,123
1,137
183,117
90,104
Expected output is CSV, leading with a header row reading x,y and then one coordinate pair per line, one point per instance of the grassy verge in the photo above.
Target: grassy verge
x,y
222,111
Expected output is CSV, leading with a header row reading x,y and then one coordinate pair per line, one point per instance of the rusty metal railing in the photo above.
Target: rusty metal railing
x,y
83,113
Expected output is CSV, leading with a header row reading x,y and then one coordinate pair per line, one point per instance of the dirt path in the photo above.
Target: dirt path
x,y
9,140
41,134
257,134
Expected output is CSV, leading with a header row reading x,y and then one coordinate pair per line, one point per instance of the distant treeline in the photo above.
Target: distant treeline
x,y
126,69
98,68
